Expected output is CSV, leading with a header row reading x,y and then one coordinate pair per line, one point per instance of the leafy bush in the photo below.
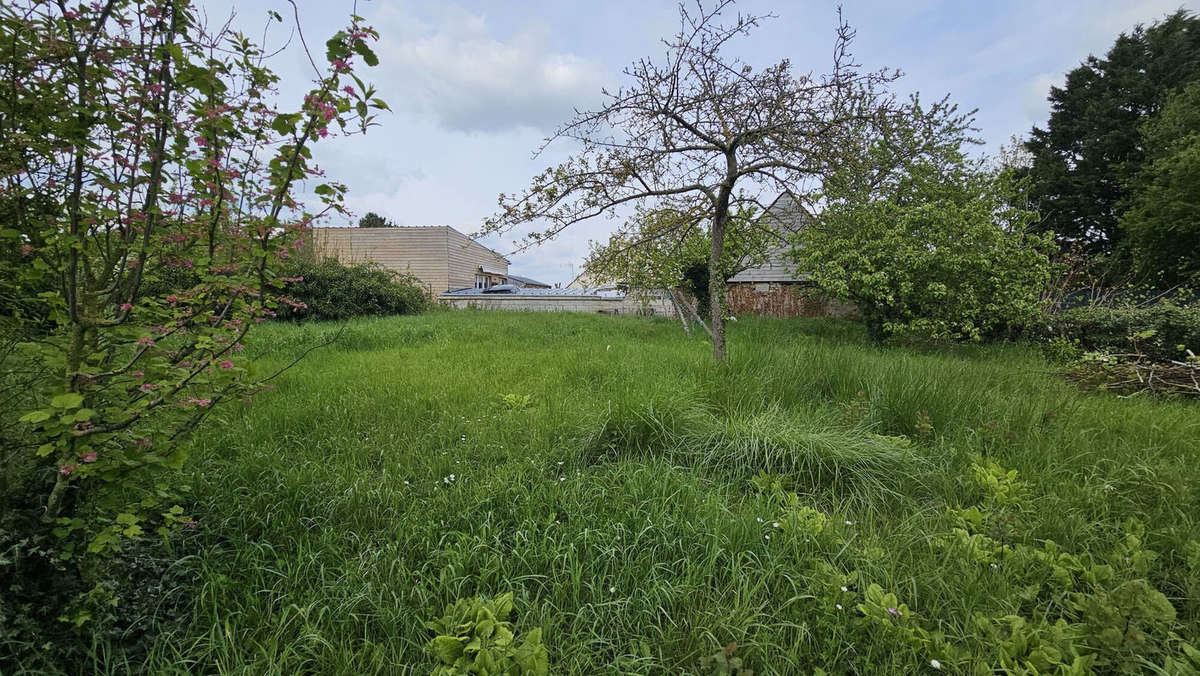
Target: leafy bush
x,y
927,242
474,637
1161,332
331,290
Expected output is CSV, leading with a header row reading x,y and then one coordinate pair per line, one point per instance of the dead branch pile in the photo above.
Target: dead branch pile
x,y
1132,374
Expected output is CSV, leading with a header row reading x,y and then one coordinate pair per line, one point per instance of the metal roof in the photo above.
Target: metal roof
x,y
527,280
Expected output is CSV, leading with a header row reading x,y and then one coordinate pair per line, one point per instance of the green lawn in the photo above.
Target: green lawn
x,y
631,507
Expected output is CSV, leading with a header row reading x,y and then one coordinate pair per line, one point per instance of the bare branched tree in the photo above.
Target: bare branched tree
x,y
703,132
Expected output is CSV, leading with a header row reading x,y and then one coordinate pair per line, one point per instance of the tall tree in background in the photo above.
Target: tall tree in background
x,y
374,220
702,132
1091,148
1162,223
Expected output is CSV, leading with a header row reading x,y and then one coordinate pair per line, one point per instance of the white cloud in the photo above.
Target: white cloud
x,y
455,71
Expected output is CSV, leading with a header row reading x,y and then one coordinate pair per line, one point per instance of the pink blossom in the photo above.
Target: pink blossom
x,y
349,90
126,306
138,374
322,132
239,347
226,364
340,65
26,249
146,387
66,470
191,523
90,456
145,340
172,299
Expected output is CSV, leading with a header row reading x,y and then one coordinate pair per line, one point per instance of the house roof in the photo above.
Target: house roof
x,y
394,229
527,280
785,217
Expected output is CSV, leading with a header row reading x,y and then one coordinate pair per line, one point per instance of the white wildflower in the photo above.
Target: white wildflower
x,y
935,664
838,606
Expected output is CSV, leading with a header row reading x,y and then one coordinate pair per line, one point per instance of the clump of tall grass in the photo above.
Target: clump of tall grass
x,y
810,445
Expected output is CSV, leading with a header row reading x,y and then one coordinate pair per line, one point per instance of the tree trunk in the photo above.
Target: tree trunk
x,y
676,302
716,281
875,328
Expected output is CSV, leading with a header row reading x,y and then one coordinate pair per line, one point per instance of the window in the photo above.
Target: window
x,y
481,282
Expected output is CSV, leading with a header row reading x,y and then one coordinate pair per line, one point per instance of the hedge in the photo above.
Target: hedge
x,y
331,290
1161,332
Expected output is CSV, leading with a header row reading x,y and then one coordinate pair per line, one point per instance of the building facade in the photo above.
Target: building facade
x,y
442,258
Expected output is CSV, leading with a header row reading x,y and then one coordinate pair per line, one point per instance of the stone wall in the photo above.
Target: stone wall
x,y
520,303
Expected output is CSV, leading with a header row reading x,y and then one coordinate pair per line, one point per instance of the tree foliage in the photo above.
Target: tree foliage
x,y
1091,149
1162,222
702,133
657,248
374,220
926,241
148,178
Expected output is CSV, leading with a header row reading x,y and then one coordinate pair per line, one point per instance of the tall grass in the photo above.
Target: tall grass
x,y
619,506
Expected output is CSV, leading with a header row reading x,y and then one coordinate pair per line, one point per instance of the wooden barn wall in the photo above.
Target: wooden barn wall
x,y
783,300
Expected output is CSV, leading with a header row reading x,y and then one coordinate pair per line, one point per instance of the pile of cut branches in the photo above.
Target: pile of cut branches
x,y
1132,374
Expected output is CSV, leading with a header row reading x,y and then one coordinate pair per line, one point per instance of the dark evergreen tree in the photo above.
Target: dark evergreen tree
x,y
1161,226
374,220
1091,150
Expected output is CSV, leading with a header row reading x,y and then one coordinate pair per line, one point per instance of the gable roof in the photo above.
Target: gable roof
x,y
785,217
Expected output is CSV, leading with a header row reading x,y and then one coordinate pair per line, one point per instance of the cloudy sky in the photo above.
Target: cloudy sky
x,y
476,85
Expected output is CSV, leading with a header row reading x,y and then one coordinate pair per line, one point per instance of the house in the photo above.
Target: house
x,y
526,283
773,287
440,256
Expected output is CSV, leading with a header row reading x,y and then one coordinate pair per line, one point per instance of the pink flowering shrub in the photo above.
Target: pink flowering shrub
x,y
163,175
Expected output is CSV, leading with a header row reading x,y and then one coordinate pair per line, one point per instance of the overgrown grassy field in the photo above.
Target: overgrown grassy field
x,y
647,507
